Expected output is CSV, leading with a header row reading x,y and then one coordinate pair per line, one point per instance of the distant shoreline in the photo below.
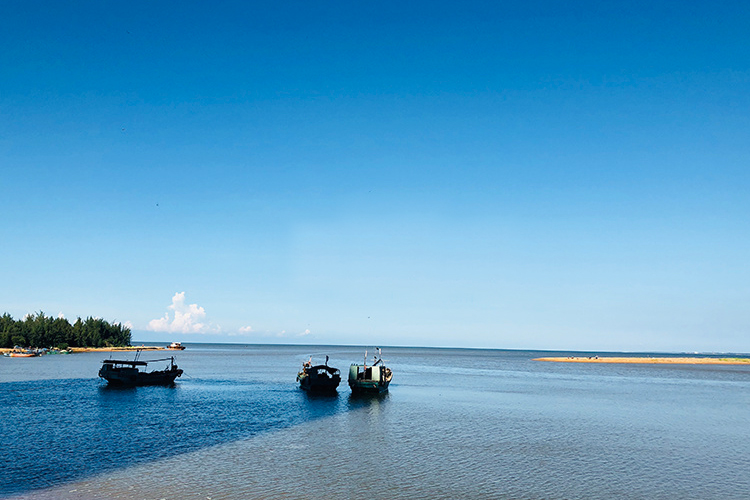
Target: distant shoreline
x,y
646,360
74,350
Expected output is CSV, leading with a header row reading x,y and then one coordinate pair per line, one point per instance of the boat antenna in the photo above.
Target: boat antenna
x,y
137,354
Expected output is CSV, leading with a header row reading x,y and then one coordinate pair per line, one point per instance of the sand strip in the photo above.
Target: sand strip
x,y
104,349
114,349
675,360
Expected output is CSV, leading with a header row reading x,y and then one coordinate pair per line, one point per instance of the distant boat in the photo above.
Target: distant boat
x,y
176,346
127,373
318,378
373,379
20,352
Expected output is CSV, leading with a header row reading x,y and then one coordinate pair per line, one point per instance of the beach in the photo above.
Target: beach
x,y
114,349
74,350
648,360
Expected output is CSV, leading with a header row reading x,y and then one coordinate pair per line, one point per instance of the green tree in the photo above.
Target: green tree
x,y
7,329
76,334
61,332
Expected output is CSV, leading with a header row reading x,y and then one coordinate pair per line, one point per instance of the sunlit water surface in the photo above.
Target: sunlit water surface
x,y
455,424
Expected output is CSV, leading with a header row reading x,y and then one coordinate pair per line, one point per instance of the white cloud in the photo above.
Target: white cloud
x,y
241,331
60,315
305,333
188,318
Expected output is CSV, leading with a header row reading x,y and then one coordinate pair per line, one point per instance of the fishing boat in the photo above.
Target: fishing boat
x,y
370,379
129,373
318,378
176,346
20,352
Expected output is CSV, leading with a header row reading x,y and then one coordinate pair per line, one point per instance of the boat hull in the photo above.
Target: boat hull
x,y
307,385
368,387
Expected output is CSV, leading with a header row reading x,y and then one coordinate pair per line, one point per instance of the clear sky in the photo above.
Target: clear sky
x,y
523,174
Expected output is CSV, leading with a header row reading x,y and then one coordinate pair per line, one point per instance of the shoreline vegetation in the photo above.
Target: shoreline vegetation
x,y
38,330
648,360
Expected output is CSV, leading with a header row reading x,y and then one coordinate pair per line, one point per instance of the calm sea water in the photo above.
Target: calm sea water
x,y
456,423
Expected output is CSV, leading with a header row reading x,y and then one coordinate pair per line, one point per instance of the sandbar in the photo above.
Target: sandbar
x,y
113,349
105,349
664,360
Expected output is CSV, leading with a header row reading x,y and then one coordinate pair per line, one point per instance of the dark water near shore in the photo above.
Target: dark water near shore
x,y
456,424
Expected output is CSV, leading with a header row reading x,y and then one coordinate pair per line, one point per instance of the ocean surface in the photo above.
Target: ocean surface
x,y
456,424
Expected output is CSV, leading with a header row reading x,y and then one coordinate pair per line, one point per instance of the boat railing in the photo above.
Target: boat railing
x,y
136,362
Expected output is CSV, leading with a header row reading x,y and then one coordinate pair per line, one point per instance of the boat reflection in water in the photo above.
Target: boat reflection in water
x,y
370,379
127,373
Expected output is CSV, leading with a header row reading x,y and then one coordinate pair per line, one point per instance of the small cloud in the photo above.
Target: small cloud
x,y
305,333
188,318
60,315
241,331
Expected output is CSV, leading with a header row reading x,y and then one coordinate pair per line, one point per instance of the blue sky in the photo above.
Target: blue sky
x,y
552,175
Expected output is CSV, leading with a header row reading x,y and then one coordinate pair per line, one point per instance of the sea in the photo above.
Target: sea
x,y
455,424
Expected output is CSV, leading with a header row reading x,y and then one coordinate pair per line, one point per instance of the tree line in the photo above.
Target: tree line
x,y
39,330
